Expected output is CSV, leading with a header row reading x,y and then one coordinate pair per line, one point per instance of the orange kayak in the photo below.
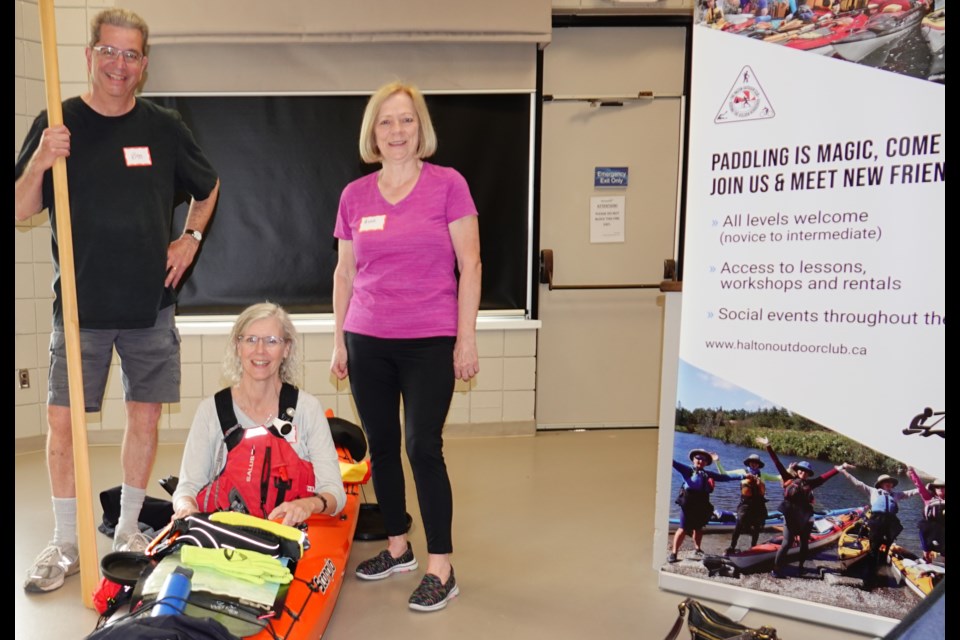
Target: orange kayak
x,y
320,572
318,576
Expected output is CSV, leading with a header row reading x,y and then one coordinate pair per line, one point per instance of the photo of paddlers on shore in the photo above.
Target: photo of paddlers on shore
x,y
766,499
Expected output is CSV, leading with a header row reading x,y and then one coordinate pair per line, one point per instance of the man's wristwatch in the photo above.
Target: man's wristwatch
x,y
193,233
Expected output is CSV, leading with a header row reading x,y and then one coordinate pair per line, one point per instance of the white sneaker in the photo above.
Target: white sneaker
x,y
135,542
51,567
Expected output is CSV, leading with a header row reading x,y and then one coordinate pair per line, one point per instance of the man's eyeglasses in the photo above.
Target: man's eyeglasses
x,y
270,342
130,56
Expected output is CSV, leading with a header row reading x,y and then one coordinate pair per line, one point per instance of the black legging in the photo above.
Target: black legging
x,y
795,524
883,529
382,371
751,519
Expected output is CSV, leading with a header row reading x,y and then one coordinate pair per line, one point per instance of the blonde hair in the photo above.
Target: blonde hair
x,y
119,18
290,367
427,143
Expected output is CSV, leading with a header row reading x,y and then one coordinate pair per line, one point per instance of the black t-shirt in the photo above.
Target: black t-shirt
x,y
124,174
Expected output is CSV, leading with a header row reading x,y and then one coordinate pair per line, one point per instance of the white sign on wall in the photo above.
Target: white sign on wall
x,y
606,218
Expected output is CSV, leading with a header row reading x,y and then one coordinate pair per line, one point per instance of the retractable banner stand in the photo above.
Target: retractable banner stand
x,y
813,298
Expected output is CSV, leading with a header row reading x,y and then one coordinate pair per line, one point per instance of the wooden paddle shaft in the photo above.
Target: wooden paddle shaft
x,y
86,530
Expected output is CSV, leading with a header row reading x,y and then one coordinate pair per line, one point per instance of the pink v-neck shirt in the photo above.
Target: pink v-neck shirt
x,y
405,286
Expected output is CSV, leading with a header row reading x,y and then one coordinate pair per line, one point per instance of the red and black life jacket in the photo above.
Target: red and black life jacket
x,y
797,492
262,469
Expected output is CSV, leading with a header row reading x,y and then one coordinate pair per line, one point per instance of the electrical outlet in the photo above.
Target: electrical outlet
x,y
24,378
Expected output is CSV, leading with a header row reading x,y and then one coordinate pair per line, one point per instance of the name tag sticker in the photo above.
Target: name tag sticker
x,y
137,156
373,223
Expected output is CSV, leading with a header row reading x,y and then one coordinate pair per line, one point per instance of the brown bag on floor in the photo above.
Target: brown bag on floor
x,y
707,624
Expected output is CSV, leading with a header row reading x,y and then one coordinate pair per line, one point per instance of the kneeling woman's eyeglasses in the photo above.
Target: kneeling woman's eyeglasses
x,y
271,342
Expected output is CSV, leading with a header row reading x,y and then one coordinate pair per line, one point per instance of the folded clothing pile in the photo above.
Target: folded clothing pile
x,y
251,566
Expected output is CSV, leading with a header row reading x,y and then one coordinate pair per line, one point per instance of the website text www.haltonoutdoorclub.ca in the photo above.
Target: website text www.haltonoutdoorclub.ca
x,y
787,347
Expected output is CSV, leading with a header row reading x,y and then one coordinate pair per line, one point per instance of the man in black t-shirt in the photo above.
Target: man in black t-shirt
x,y
126,159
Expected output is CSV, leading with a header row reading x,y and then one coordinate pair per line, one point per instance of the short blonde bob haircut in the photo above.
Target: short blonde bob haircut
x,y
290,368
427,144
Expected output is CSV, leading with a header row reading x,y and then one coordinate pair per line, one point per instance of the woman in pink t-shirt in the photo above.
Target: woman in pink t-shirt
x,y
405,324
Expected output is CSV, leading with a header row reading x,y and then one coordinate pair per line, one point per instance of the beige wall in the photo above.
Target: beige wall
x,y
32,267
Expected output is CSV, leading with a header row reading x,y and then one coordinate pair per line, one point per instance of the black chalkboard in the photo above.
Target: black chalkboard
x,y
283,161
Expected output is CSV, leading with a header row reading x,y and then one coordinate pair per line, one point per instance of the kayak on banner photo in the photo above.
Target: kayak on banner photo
x,y
826,531
724,521
902,36
912,570
854,544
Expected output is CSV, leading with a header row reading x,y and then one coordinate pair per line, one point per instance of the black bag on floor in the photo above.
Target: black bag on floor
x,y
154,515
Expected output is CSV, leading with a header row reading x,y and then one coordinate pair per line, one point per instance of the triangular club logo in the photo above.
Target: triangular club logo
x,y
745,101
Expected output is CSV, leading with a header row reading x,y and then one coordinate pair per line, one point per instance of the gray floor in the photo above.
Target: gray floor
x,y
553,537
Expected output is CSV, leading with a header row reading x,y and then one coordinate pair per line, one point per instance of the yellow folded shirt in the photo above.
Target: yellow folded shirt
x,y
252,566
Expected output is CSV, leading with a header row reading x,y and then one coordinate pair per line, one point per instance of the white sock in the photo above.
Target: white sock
x,y
65,520
131,502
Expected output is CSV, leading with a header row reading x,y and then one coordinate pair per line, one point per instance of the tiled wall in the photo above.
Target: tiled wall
x,y
32,267
498,401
